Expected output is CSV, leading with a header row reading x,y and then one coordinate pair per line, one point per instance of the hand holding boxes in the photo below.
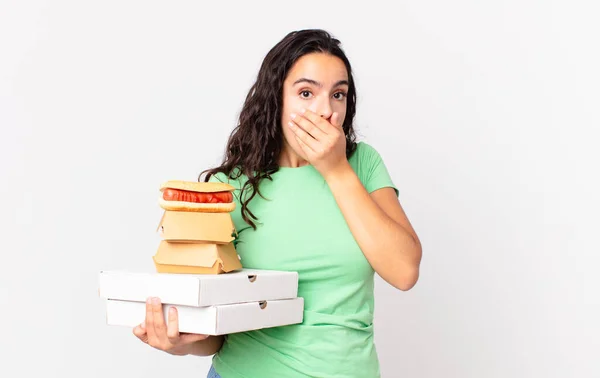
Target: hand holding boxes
x,y
197,246
206,304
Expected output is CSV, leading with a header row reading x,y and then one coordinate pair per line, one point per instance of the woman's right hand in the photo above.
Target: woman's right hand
x,y
165,336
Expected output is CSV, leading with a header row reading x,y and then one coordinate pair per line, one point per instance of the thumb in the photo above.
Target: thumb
x,y
140,332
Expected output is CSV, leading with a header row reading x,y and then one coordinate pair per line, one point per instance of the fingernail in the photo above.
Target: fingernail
x,y
149,300
172,310
290,124
143,325
155,301
292,116
302,111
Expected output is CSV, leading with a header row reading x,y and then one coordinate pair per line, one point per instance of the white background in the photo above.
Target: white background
x,y
486,114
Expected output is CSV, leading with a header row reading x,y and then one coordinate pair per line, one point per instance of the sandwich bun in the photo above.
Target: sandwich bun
x,y
195,206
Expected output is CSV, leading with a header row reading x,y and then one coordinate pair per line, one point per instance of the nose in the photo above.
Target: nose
x,y
323,108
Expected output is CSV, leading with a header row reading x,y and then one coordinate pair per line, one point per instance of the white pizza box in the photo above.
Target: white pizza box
x,y
199,290
213,320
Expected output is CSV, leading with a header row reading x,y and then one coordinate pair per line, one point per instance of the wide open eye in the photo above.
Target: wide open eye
x,y
305,94
339,95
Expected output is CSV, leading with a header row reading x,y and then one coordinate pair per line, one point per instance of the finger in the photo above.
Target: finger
x,y
173,326
150,322
158,317
303,137
307,150
308,126
140,332
321,123
188,338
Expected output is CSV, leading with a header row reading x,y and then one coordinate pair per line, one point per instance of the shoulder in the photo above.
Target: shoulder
x,y
364,156
365,150
370,167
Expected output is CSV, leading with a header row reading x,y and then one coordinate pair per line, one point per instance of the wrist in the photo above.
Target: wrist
x,y
339,174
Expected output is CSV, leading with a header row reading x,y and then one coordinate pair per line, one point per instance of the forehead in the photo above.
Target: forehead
x,y
320,67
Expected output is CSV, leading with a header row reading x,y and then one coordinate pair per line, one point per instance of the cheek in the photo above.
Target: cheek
x,y
289,136
287,132
342,116
340,108
291,105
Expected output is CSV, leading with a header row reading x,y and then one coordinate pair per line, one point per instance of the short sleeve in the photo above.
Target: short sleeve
x,y
372,169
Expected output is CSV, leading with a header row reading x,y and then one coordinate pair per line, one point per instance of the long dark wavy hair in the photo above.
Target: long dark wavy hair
x,y
255,144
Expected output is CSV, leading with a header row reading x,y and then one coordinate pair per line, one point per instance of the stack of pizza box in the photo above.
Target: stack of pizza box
x,y
195,248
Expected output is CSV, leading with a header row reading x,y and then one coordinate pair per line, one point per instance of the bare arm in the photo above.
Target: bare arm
x,y
380,227
376,220
207,347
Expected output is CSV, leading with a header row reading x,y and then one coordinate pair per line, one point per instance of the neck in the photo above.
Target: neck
x,y
289,159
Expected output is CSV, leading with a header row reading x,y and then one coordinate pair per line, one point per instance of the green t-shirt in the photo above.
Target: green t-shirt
x,y
301,229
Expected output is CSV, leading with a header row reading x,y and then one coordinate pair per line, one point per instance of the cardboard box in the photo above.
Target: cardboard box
x,y
196,258
214,320
246,285
190,226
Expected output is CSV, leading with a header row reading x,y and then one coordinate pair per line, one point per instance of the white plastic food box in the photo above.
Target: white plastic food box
x,y
214,320
239,301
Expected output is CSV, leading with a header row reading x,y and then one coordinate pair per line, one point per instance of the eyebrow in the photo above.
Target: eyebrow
x,y
314,82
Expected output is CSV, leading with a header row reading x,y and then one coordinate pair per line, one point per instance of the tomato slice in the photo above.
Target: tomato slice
x,y
187,196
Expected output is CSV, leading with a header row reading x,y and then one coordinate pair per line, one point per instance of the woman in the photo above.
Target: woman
x,y
310,199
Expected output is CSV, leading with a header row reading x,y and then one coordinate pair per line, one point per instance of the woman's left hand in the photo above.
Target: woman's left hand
x,y
323,142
